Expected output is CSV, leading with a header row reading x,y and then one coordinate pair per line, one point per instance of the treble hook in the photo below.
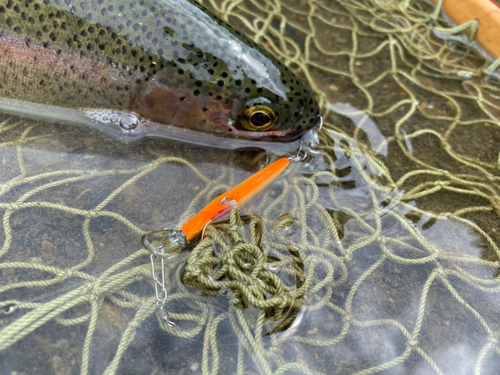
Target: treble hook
x,y
301,154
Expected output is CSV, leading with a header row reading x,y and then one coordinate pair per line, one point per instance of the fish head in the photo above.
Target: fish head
x,y
242,110
222,83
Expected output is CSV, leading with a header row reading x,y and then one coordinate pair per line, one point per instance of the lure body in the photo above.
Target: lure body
x,y
172,241
170,62
235,197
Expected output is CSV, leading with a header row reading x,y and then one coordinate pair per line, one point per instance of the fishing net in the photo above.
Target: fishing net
x,y
245,270
395,217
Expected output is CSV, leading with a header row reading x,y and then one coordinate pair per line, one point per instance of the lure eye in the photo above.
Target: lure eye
x,y
259,118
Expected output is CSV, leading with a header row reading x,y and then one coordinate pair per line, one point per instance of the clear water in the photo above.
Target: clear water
x,y
400,202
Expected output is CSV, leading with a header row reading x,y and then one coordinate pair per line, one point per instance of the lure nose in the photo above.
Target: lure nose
x,y
164,243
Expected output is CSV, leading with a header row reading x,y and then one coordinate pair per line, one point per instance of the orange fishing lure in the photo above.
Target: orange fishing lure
x,y
233,198
175,240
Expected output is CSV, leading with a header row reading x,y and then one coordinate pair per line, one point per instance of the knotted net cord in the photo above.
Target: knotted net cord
x,y
426,95
247,271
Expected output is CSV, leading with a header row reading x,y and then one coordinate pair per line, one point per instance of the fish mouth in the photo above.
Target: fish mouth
x,y
267,139
291,134
223,126
232,141
273,135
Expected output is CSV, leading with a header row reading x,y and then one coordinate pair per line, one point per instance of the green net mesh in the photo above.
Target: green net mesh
x,y
226,263
396,216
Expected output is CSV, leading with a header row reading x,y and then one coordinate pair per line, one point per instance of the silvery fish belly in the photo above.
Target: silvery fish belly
x,y
147,67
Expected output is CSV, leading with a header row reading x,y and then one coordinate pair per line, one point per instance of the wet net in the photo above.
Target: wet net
x,y
395,216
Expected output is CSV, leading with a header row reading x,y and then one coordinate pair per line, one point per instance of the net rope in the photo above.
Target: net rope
x,y
369,62
225,263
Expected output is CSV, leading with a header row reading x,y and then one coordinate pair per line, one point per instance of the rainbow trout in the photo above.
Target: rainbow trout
x,y
161,67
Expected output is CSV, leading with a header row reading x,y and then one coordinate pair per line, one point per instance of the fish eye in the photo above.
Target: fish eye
x,y
259,118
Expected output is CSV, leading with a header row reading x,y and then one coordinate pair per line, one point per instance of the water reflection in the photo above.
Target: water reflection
x,y
396,215
363,122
